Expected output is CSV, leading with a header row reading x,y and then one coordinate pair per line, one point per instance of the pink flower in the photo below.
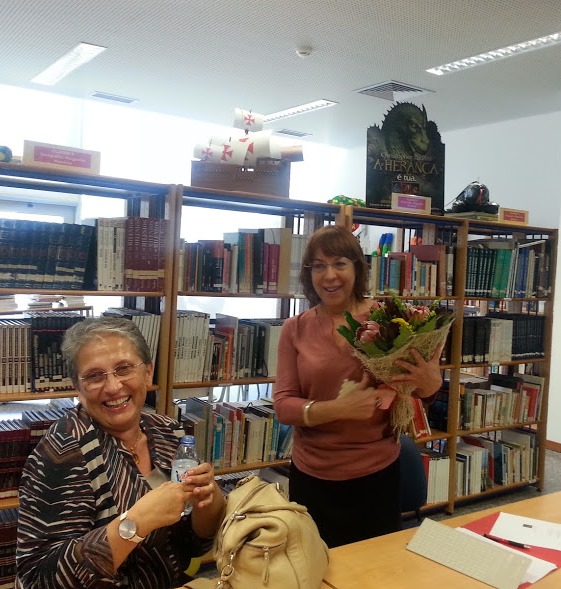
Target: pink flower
x,y
368,332
418,314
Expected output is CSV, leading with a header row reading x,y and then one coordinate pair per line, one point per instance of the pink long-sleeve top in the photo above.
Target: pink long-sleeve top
x,y
311,366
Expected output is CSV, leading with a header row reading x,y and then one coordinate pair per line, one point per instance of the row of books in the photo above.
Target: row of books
x,y
130,253
30,355
147,323
502,337
108,254
248,261
30,358
18,438
232,433
38,254
424,270
437,470
227,348
483,462
508,268
503,400
8,533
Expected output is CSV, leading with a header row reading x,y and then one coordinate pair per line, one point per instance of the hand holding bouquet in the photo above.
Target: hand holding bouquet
x,y
393,328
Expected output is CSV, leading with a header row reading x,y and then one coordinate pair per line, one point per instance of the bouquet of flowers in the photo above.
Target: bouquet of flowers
x,y
392,329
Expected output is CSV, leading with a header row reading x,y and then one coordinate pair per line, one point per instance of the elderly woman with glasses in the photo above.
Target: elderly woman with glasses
x,y
345,466
97,508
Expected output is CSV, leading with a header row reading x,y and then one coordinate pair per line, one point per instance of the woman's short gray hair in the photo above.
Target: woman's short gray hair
x,y
85,331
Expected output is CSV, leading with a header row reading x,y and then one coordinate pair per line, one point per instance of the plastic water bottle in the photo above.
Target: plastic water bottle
x,y
185,458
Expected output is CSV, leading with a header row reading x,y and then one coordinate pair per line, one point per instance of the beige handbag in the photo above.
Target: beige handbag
x,y
267,542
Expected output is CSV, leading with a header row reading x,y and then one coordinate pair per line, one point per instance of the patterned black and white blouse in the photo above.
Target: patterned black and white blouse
x,y
76,481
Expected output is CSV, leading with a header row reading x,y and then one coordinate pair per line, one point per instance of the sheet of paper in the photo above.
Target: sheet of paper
x,y
538,568
527,530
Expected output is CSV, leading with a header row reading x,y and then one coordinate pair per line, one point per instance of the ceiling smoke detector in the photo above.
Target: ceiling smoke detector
x,y
303,52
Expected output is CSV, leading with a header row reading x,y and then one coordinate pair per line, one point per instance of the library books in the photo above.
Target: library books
x,y
15,356
102,254
142,268
248,261
420,424
8,534
424,270
508,268
502,337
41,255
30,358
15,446
437,469
147,323
234,433
501,401
192,346
226,348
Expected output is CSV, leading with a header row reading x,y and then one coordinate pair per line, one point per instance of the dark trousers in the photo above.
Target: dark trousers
x,y
351,510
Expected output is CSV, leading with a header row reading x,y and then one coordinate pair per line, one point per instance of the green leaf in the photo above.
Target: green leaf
x,y
347,334
371,349
430,325
403,337
353,323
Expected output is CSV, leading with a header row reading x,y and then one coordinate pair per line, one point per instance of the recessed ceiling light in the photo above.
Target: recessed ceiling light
x,y
81,54
113,97
455,66
298,110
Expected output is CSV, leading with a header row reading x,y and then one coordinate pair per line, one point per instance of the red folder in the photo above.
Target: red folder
x,y
484,526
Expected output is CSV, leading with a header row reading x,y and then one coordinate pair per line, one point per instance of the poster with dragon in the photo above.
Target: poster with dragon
x,y
405,155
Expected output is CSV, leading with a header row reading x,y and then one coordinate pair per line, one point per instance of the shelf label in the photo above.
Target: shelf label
x,y
411,203
60,157
517,216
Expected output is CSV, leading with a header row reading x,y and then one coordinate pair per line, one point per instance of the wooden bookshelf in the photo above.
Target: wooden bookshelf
x,y
460,233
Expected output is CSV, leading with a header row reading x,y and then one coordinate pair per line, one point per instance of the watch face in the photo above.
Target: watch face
x,y
127,529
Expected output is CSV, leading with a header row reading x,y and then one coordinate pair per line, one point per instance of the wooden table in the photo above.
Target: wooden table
x,y
385,563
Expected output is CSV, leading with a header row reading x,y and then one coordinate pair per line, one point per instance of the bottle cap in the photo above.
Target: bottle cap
x,y
188,440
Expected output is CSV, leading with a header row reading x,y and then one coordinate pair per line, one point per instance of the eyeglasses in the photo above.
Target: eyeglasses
x,y
321,267
97,379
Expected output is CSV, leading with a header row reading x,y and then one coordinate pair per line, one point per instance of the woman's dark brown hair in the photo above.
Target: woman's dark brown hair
x,y
334,241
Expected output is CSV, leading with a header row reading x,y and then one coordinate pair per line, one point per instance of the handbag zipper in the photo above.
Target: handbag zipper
x,y
265,576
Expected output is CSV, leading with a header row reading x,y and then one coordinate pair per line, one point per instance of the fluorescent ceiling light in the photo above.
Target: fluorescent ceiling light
x,y
76,57
455,66
298,110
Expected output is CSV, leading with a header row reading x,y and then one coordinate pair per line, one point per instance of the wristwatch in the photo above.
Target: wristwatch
x,y
127,529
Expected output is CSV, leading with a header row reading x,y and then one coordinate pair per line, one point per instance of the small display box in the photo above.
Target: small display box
x,y
270,177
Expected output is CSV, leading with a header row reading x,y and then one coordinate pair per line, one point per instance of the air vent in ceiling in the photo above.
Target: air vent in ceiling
x,y
393,90
114,97
293,133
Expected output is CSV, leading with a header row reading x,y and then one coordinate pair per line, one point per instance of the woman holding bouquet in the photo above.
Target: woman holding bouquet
x,y
345,466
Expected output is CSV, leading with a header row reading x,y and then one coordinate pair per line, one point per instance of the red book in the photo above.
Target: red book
x,y
420,423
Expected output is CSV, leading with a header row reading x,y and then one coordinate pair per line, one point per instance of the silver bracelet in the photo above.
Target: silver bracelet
x,y
306,414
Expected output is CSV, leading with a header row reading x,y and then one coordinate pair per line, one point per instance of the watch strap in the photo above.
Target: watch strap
x,y
136,538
